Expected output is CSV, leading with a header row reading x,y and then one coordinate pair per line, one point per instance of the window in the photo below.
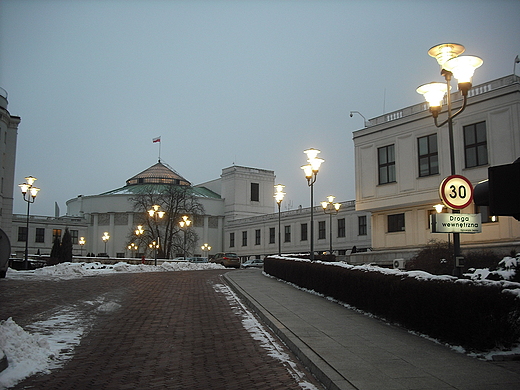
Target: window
x,y
244,238
396,223
321,230
386,164
255,192
272,234
40,235
362,225
428,157
303,232
74,236
257,237
475,145
231,240
485,215
22,233
56,233
287,235
341,227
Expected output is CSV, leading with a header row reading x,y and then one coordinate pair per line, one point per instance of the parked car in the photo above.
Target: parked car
x,y
227,259
198,259
255,263
181,258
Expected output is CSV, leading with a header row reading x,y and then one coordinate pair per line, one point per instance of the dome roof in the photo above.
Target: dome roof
x,y
158,174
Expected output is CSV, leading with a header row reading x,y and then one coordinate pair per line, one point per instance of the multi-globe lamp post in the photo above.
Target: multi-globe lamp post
x,y
29,193
331,208
278,196
185,224
453,64
105,239
81,243
205,248
156,214
138,233
311,172
132,248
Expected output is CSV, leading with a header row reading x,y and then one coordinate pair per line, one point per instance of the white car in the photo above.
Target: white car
x,y
255,263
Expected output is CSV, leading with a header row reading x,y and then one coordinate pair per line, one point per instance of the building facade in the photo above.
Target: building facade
x,y
345,232
239,216
42,233
8,136
401,159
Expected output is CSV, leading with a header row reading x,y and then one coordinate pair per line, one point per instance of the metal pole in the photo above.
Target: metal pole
x,y
456,236
184,249
330,232
279,230
155,251
312,221
26,257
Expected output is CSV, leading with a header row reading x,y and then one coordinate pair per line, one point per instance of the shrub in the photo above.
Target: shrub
x,y
457,311
437,258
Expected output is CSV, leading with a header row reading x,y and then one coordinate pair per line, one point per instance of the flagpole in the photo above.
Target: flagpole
x,y
158,139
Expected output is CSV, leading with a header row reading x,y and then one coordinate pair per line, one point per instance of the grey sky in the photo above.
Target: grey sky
x,y
222,82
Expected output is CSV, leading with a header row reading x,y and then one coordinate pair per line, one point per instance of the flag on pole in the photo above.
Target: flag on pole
x,y
158,139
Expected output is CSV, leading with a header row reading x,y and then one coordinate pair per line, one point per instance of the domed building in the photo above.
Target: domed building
x,y
240,192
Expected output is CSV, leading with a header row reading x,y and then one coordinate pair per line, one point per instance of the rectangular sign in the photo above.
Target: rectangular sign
x,y
456,223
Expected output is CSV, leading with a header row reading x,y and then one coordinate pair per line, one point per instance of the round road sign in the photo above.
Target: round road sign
x,y
456,192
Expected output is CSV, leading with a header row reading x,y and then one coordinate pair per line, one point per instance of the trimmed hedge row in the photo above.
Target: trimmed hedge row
x,y
475,316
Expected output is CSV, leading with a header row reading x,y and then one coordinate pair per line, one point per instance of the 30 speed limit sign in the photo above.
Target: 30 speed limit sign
x,y
456,192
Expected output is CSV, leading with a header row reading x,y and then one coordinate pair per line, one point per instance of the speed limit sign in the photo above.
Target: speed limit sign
x,y
456,192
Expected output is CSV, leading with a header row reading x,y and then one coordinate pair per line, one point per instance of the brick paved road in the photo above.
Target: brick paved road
x,y
173,330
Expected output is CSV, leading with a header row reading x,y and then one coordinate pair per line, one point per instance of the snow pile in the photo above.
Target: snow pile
x,y
505,272
27,354
78,270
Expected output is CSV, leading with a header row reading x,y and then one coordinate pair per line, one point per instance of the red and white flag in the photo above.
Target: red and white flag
x,y
158,139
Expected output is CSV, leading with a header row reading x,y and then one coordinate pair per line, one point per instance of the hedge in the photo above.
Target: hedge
x,y
474,315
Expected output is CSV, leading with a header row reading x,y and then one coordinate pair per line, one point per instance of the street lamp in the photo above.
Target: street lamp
x,y
105,239
29,193
185,223
462,68
329,207
205,248
132,247
278,196
154,245
81,243
138,232
156,214
311,171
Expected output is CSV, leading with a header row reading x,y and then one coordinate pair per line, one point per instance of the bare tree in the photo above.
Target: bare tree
x,y
175,201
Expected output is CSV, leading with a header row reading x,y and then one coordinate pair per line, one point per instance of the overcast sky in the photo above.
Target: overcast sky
x,y
251,83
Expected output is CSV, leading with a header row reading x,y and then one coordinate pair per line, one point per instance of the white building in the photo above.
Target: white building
x,y
42,232
239,216
8,135
401,159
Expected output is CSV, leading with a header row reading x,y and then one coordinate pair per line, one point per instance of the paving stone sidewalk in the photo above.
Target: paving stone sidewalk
x,y
172,330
